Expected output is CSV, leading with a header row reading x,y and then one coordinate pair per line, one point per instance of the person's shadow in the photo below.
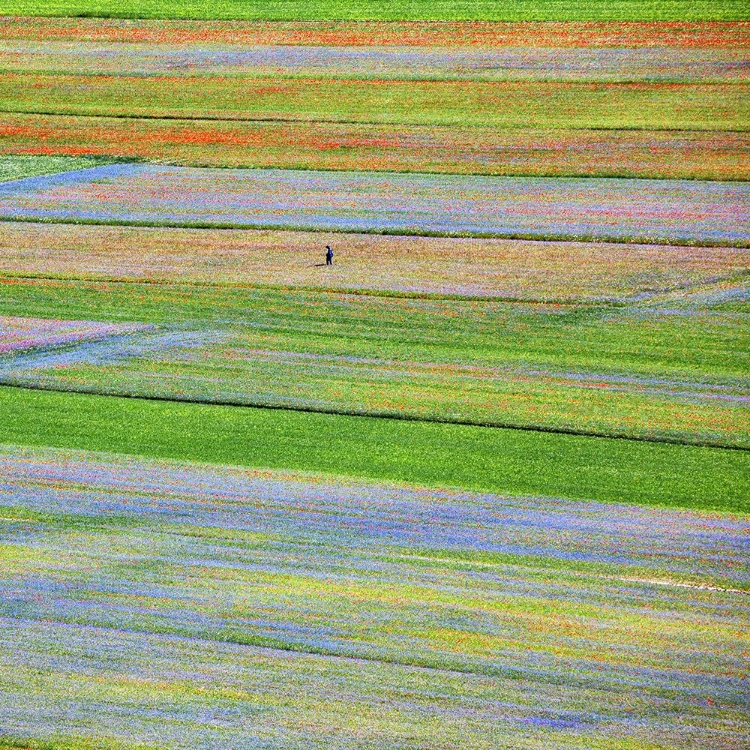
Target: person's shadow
x,y
318,265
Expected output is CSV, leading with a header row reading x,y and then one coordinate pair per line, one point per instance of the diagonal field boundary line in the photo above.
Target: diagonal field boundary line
x,y
578,573
384,414
596,302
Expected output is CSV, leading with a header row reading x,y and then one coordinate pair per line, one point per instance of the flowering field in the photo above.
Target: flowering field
x,y
400,63
622,99
510,269
673,368
24,334
707,155
667,211
421,33
181,605
481,483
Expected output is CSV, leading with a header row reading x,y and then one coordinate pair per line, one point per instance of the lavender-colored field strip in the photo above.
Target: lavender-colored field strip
x,y
24,334
195,606
503,63
639,210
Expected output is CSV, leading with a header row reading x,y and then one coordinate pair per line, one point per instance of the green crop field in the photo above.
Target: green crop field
x,y
480,10
18,167
621,371
477,477
501,105
489,460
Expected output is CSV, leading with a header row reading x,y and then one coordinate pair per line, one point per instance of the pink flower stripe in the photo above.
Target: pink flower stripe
x,y
397,62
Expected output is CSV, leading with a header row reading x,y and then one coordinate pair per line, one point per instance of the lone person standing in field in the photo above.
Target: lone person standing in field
x,y
329,256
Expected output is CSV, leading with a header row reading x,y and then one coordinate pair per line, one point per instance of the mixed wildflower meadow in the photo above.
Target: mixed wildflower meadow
x,y
174,604
620,65
482,482
392,265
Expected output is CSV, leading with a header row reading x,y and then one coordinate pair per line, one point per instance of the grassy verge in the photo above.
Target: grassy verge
x,y
17,167
486,10
475,458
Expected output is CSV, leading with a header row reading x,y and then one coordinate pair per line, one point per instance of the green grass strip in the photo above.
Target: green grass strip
x,y
17,167
485,10
439,455
344,411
